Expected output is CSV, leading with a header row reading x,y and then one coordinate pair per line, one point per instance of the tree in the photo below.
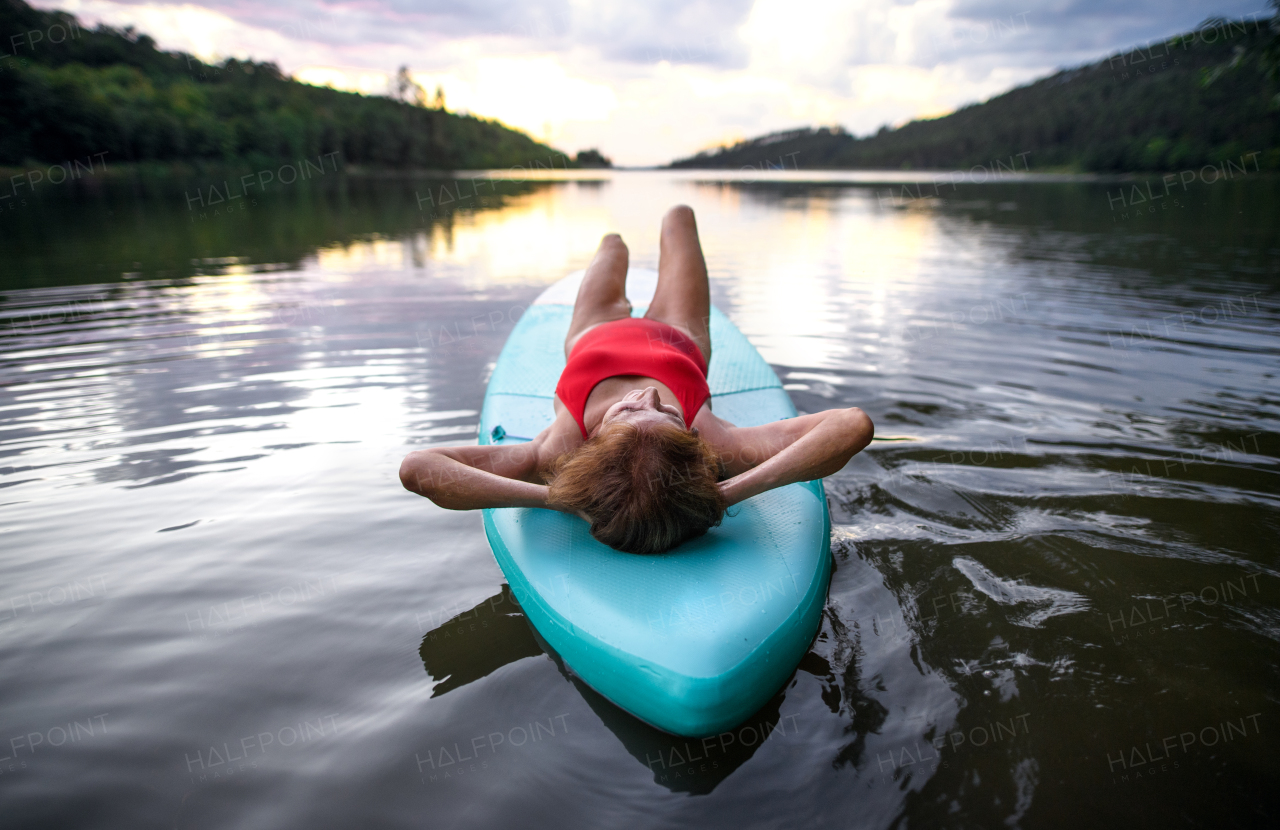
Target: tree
x,y
1270,57
408,90
592,158
104,93
1266,50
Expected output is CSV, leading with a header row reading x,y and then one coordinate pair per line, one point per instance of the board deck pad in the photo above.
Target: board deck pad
x,y
692,641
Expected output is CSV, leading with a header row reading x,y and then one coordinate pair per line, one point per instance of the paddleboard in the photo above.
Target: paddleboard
x,y
692,641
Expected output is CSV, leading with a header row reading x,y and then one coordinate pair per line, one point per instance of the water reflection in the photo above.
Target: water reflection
x,y
135,229
478,642
495,633
205,413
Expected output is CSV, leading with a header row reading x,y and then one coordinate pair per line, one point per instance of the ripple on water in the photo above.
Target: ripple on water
x,y
1070,552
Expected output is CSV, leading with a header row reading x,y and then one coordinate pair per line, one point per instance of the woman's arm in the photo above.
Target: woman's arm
x,y
799,449
470,478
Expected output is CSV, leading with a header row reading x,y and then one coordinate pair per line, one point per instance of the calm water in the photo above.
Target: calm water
x,y
1055,601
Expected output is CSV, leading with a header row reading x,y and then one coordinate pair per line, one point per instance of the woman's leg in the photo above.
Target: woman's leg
x,y
683,297
602,297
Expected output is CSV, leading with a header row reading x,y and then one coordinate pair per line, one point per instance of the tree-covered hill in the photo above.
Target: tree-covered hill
x,y
67,92
1200,98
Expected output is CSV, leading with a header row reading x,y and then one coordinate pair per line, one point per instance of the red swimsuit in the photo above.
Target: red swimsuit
x,y
635,346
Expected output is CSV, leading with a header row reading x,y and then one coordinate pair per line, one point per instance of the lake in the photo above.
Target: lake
x,y
1055,599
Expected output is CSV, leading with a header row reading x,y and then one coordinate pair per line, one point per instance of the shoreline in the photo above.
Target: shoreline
x,y
105,171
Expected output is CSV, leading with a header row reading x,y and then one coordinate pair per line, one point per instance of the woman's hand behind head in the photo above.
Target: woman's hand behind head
x,y
650,488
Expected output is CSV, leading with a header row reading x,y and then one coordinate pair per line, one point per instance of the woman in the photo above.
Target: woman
x,y
635,449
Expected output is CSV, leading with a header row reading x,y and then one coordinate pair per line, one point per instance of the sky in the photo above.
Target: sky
x,y
648,81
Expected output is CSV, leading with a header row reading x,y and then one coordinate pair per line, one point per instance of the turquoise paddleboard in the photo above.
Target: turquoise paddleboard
x,y
693,641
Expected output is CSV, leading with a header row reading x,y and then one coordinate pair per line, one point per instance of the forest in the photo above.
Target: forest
x,y
1204,97
67,92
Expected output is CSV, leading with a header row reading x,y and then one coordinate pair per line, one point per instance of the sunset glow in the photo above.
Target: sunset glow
x,y
646,87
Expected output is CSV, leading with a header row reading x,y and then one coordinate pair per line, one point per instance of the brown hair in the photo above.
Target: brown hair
x,y
646,490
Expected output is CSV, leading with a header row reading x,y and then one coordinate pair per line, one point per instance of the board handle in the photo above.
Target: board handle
x,y
498,433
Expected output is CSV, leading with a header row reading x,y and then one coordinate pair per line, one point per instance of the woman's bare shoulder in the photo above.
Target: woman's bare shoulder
x,y
560,437
707,421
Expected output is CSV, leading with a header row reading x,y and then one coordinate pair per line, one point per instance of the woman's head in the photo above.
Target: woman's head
x,y
646,488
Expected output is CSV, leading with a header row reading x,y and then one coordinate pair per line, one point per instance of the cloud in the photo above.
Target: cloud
x,y
696,32
536,94
702,32
1076,31
647,82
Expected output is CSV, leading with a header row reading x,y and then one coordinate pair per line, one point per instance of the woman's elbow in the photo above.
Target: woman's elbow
x,y
861,429
412,473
